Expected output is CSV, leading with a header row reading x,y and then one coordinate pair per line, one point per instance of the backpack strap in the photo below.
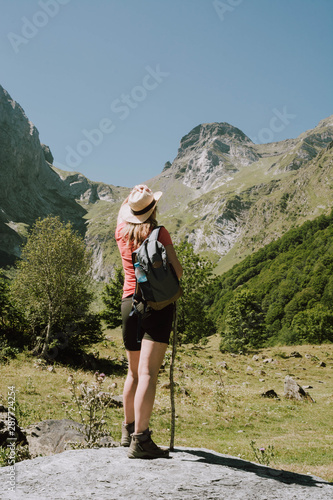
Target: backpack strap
x,y
137,299
154,237
139,305
154,234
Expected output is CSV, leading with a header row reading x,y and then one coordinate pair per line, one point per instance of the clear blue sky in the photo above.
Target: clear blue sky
x,y
145,72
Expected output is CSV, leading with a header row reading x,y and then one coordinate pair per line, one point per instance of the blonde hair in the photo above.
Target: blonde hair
x,y
135,234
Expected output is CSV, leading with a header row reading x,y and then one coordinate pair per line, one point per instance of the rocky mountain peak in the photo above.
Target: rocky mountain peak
x,y
210,154
206,133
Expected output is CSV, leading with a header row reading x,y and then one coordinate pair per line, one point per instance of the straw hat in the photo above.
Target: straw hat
x,y
140,204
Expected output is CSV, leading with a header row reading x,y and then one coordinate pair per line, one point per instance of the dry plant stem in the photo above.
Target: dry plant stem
x,y
172,385
89,406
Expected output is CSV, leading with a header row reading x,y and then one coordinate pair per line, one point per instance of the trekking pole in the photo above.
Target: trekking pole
x,y
172,384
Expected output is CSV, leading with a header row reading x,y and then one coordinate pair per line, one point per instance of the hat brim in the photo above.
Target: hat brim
x,y
126,214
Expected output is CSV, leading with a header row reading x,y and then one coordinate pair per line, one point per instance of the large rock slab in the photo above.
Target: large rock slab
x,y
190,473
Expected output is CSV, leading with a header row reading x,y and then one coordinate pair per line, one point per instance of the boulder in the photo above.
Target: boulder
x,y
292,390
54,436
295,354
110,400
270,394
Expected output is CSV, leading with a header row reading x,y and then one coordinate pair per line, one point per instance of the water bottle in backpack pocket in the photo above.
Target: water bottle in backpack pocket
x,y
140,275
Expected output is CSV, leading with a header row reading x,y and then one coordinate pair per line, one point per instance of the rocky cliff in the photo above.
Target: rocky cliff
x,y
30,187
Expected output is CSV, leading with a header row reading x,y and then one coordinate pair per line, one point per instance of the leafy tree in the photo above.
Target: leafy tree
x,y
111,297
52,287
244,323
5,305
313,326
12,324
327,298
194,322
299,303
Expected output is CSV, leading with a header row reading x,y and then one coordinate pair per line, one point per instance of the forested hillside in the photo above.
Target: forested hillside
x,y
282,293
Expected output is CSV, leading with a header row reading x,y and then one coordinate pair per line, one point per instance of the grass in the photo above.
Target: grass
x,y
218,407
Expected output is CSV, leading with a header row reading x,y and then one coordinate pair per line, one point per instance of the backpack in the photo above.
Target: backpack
x,y
156,282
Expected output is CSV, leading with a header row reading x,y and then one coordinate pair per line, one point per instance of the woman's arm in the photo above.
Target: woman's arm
x,y
173,260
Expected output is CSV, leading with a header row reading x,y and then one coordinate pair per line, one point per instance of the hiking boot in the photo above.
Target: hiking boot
x,y
126,431
142,446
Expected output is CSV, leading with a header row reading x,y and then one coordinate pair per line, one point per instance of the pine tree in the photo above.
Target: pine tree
x,y
111,297
194,323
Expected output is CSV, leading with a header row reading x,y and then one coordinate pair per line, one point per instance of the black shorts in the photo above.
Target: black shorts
x,y
156,327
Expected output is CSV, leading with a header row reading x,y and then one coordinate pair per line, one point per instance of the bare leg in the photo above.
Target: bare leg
x,y
130,385
151,357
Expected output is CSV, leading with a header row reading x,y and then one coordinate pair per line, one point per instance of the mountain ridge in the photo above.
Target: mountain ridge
x,y
280,164
223,193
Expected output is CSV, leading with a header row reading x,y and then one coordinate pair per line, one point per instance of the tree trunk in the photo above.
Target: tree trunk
x,y
47,338
36,350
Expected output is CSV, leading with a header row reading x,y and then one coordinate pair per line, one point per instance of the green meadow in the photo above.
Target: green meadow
x,y
219,402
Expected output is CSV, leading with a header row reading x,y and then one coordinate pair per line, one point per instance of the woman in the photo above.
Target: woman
x,y
136,220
